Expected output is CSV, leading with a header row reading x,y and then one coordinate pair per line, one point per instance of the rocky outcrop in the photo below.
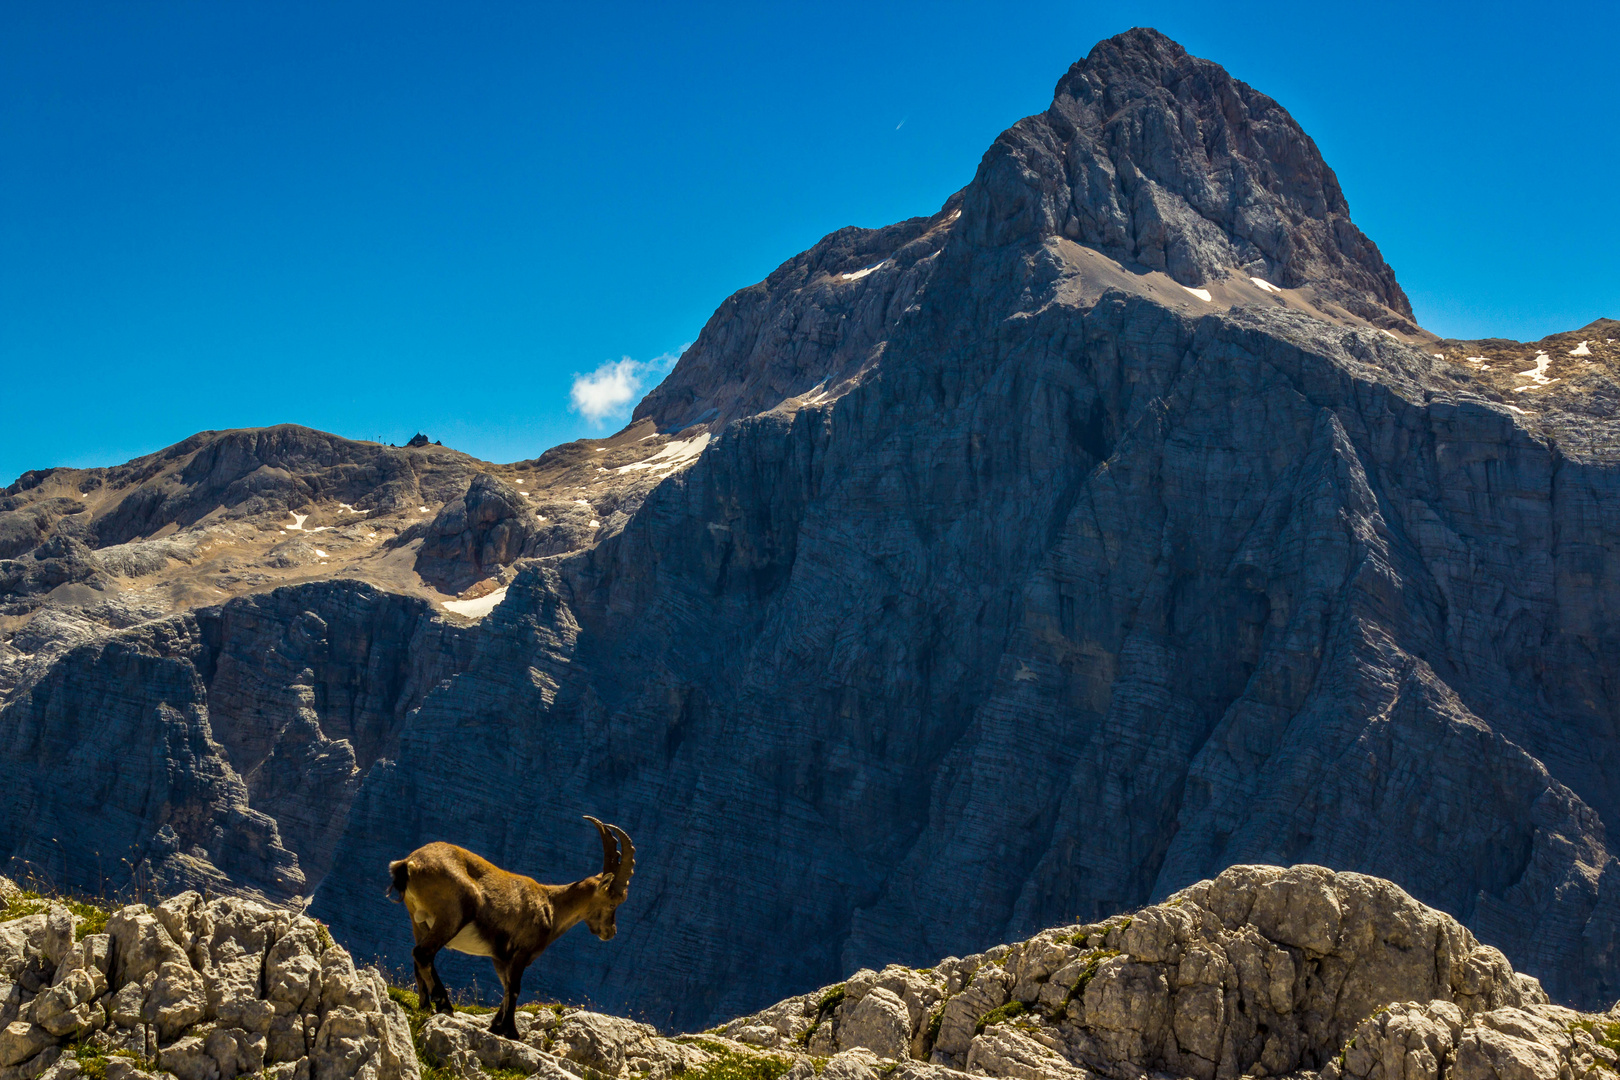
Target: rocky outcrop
x,y
196,991
1259,972
475,536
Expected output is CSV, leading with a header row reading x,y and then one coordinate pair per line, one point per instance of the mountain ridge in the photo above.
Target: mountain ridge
x,y
961,579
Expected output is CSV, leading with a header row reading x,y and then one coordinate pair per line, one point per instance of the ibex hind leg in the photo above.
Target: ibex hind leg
x,y
429,987
429,940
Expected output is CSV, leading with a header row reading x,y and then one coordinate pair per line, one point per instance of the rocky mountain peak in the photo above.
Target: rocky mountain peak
x,y
1154,158
1162,159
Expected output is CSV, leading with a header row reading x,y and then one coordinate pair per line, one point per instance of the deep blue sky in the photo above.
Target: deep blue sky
x,y
375,218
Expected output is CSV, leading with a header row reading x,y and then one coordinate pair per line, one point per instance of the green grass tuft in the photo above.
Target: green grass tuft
x,y
1089,972
93,917
935,1021
1605,1033
92,1059
729,1064
829,1001
997,1015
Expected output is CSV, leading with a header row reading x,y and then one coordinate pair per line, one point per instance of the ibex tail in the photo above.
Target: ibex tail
x,y
401,875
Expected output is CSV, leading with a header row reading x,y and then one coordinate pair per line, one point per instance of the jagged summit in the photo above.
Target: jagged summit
x,y
1170,173
1159,157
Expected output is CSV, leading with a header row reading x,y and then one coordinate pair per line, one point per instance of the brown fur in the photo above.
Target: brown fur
x,y
456,896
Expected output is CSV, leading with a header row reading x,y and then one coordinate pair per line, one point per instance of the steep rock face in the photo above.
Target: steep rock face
x,y
219,749
808,329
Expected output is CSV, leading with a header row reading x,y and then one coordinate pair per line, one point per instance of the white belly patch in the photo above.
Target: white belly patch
x,y
470,941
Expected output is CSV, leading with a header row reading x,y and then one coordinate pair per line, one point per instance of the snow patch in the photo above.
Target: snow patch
x,y
347,509
298,522
1202,294
595,524
671,456
1580,350
858,274
1264,285
1476,359
476,609
1537,374
422,509
320,554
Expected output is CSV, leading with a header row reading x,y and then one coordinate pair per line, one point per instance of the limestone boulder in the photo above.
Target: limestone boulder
x,y
879,1022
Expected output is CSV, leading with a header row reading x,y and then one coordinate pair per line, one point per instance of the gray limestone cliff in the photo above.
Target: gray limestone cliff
x,y
1018,564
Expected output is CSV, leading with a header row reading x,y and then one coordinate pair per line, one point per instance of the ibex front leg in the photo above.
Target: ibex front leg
x,y
510,970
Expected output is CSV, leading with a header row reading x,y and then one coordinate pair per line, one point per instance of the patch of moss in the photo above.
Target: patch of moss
x,y
729,1064
1093,961
1081,934
1605,1033
995,1016
93,916
829,1001
935,1021
92,1059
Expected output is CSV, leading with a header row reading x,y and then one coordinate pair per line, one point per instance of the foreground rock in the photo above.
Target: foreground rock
x,y
199,991
1259,972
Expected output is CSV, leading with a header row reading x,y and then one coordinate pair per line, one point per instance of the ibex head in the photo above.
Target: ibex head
x,y
617,866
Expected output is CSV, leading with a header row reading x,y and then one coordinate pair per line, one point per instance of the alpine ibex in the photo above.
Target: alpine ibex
x,y
463,901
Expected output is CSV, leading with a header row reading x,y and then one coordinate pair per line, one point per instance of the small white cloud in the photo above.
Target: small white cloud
x,y
616,385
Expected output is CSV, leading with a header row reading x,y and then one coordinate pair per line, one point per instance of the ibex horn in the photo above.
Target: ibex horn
x,y
627,864
610,850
